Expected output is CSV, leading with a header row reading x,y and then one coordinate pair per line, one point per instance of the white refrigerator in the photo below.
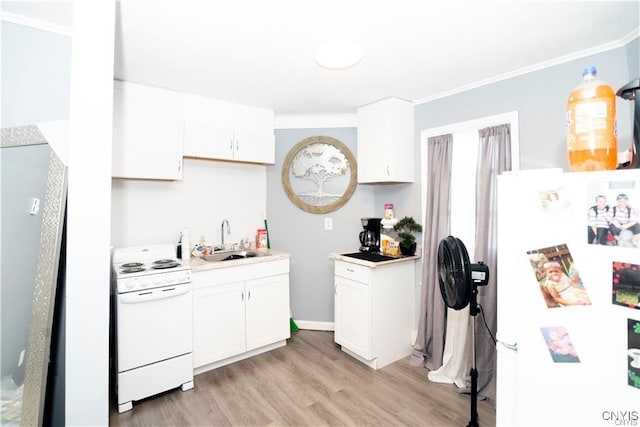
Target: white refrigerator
x,y
568,311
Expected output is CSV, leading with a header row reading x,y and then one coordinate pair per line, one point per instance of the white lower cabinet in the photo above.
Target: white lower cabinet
x,y
374,311
353,316
218,322
267,311
239,312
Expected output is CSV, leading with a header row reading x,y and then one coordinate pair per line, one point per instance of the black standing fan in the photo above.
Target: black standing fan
x,y
459,281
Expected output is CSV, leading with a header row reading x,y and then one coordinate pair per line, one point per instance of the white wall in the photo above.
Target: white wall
x,y
148,212
88,209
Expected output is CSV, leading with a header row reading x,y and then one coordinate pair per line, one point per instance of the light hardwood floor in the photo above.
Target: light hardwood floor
x,y
310,382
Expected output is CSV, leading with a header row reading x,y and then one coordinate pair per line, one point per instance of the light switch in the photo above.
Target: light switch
x,y
35,206
328,223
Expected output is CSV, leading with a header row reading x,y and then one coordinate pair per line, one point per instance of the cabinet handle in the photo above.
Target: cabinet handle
x,y
350,270
231,144
237,145
242,296
179,165
388,174
248,295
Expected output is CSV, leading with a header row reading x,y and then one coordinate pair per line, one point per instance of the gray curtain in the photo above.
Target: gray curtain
x,y
494,158
429,345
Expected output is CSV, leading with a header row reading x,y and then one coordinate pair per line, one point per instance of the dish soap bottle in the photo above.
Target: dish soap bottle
x,y
592,143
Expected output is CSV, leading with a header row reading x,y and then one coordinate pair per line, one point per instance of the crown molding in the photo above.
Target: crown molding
x,y
35,23
547,64
315,121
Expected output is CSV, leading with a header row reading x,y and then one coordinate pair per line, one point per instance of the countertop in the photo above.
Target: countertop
x,y
339,257
198,264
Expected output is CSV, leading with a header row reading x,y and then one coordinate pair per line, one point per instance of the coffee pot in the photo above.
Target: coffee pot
x,y
367,238
370,236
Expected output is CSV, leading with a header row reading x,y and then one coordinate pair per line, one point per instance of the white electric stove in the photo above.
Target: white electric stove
x,y
153,322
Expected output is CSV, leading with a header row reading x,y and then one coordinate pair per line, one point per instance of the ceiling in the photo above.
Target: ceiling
x,y
262,52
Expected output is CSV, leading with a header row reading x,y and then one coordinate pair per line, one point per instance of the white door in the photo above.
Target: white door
x,y
218,322
208,141
267,311
147,132
353,316
254,146
153,325
570,367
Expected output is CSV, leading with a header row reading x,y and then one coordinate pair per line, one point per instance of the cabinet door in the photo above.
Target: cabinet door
x,y
218,322
208,141
254,146
267,310
227,131
386,142
353,316
147,132
255,141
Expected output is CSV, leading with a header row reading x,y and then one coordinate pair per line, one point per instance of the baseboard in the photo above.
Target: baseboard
x,y
204,368
329,326
314,326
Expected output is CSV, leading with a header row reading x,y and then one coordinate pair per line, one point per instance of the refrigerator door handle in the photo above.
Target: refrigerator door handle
x,y
511,345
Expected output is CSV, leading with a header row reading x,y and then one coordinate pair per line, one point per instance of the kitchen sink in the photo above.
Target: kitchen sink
x,y
231,255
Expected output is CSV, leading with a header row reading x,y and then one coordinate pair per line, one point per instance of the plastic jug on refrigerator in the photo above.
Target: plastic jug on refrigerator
x,y
592,143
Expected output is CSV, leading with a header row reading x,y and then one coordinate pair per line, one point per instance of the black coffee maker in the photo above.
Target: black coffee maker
x,y
631,92
370,237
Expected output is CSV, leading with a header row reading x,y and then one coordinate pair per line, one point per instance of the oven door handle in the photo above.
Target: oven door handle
x,y
154,294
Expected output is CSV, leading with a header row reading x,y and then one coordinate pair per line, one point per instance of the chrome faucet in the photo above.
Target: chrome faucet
x,y
224,221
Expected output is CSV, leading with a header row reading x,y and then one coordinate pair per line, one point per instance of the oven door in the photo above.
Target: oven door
x,y
153,325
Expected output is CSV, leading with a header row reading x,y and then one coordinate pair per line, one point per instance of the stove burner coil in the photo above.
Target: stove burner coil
x,y
132,264
165,261
173,264
133,269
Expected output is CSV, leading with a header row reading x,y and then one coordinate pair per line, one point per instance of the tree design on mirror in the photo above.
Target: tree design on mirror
x,y
319,174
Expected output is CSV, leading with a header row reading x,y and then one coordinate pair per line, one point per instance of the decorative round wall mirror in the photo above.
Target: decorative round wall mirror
x,y
319,174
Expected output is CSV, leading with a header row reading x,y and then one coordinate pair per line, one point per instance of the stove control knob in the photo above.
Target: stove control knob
x,y
170,278
129,283
159,279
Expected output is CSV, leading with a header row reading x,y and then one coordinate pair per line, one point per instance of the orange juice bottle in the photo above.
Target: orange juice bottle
x,y
592,143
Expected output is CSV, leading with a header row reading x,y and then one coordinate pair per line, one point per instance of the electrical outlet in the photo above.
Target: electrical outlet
x,y
328,223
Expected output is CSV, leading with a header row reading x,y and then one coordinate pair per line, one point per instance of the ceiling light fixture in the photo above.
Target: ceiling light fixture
x,y
338,54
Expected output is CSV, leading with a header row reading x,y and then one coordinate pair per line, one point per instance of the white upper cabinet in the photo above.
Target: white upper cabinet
x,y
227,131
147,132
386,142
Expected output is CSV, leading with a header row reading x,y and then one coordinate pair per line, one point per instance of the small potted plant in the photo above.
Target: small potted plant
x,y
405,228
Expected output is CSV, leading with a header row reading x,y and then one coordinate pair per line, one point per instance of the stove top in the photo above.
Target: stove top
x,y
144,267
147,267
370,256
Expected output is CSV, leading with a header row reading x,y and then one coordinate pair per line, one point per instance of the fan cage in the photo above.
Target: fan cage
x,y
455,275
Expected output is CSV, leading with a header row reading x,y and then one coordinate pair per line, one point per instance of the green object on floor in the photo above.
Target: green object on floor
x,y
293,326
